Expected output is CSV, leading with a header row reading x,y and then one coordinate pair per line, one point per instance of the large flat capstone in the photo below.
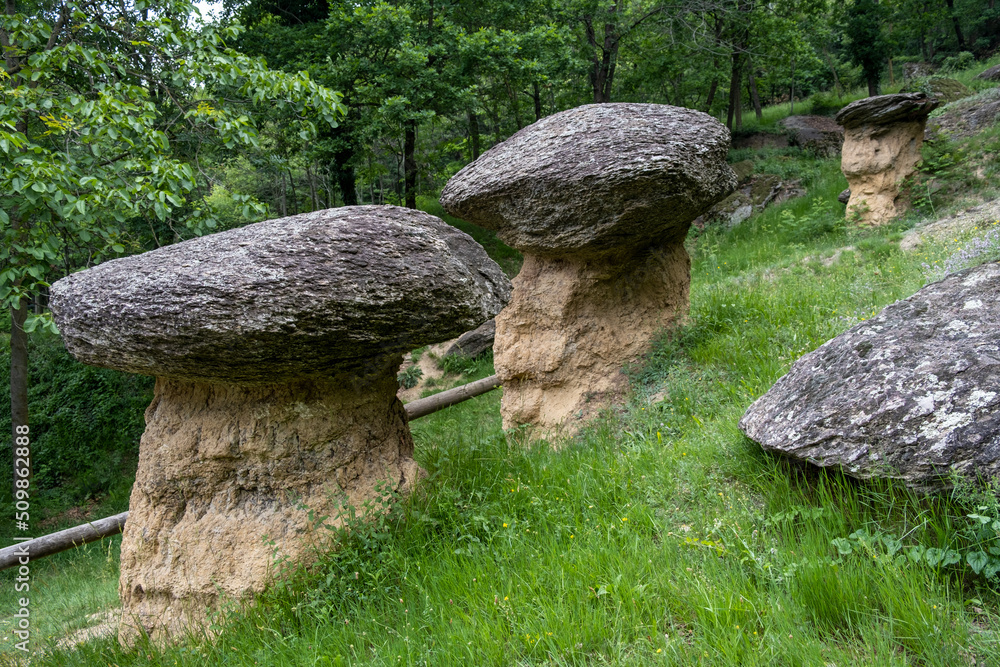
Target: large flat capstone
x,y
596,179
911,394
284,299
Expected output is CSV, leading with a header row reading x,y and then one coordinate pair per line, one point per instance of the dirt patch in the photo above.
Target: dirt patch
x,y
429,369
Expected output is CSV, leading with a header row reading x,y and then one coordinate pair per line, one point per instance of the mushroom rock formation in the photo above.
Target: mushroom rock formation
x,y
882,139
599,200
275,348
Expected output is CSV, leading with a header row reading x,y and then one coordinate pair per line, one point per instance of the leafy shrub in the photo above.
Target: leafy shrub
x,y
820,219
85,422
959,62
826,103
409,378
458,364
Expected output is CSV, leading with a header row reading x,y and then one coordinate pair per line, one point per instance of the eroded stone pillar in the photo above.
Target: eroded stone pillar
x,y
882,140
599,199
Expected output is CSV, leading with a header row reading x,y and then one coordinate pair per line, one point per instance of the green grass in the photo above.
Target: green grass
x,y
659,535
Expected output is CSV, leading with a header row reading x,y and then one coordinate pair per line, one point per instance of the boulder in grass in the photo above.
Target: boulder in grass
x,y
473,343
818,134
275,348
991,74
912,394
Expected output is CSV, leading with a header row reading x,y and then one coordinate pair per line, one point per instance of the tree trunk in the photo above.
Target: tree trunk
x,y
605,54
742,41
833,70
753,92
873,85
346,179
515,102
711,94
312,187
734,119
283,207
791,91
18,362
537,96
715,66
958,27
295,197
474,135
410,163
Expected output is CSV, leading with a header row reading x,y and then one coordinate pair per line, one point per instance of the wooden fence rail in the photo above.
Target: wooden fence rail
x,y
112,525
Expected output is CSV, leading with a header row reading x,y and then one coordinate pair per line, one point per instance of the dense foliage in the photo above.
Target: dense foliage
x,y
85,425
429,85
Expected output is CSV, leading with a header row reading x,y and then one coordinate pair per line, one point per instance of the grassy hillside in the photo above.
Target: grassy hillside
x,y
660,535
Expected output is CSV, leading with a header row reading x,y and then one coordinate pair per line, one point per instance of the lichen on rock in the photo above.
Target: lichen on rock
x,y
912,394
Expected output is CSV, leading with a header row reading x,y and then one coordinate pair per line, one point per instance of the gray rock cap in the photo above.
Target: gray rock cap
x,y
595,179
911,394
294,297
886,109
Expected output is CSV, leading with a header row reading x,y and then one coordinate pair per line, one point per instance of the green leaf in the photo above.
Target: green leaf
x,y
977,560
933,556
891,545
844,546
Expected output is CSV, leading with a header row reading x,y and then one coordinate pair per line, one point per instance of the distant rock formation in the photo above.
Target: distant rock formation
x,y
275,348
911,394
966,117
599,199
882,139
753,194
917,70
473,343
944,90
991,74
818,134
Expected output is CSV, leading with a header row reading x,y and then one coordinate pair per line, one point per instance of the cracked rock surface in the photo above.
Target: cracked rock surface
x,y
597,179
911,394
282,299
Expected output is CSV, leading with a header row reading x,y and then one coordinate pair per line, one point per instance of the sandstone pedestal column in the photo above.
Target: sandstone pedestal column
x,y
882,140
275,348
599,199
